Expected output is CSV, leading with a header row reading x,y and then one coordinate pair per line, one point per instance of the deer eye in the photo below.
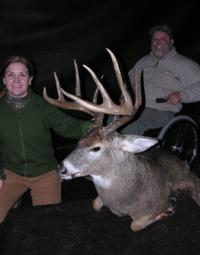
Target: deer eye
x,y
94,149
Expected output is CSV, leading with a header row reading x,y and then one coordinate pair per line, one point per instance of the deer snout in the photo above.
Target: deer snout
x,y
67,171
63,172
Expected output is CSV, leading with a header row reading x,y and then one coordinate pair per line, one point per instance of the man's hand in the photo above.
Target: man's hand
x,y
174,98
1,185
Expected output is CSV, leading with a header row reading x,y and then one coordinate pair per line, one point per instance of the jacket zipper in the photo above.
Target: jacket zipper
x,y
22,143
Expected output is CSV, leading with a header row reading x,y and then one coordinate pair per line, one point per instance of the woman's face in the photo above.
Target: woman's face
x,y
17,79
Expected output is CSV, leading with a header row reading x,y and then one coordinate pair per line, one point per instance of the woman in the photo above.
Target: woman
x,y
27,154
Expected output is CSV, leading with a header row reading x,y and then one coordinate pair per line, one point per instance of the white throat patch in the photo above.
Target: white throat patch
x,y
101,181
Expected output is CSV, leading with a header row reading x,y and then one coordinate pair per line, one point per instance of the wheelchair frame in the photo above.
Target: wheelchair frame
x,y
181,137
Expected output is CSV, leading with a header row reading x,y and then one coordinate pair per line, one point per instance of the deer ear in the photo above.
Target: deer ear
x,y
137,144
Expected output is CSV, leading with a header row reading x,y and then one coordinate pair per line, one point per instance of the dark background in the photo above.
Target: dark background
x,y
53,33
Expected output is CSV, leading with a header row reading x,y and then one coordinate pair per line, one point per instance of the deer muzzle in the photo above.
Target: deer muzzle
x,y
67,172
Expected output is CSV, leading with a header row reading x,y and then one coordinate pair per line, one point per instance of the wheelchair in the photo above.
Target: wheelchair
x,y
181,138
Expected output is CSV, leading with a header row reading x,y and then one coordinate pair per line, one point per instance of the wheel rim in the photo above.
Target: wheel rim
x,y
182,140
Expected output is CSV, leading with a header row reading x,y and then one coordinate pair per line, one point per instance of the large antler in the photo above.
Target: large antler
x,y
61,102
125,109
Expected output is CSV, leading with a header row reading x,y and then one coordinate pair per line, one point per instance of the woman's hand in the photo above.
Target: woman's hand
x,y
1,185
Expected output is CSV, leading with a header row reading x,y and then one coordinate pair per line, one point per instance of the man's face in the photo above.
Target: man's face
x,y
161,44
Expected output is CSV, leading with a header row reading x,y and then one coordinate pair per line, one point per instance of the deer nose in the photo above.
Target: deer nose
x,y
63,172
61,169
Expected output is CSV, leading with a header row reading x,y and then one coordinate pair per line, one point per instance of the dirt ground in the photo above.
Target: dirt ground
x,y
73,227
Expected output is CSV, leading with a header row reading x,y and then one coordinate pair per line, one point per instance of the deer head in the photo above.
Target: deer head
x,y
102,140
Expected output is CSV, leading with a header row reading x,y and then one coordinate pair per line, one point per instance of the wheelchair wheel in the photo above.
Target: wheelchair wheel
x,y
180,137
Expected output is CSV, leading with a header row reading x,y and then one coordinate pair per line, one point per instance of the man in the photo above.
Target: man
x,y
170,79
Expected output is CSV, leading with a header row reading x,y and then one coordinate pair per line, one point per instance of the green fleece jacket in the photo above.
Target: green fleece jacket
x,y
25,138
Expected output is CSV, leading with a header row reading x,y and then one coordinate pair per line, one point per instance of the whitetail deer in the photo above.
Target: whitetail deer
x,y
128,180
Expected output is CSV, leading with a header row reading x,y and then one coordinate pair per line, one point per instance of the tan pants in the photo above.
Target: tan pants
x,y
45,189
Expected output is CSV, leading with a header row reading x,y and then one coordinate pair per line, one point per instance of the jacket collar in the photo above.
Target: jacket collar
x,y
18,103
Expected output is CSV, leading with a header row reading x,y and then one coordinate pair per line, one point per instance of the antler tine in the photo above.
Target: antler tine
x,y
126,97
98,117
78,84
116,123
58,88
103,108
95,96
106,98
60,95
61,101
137,88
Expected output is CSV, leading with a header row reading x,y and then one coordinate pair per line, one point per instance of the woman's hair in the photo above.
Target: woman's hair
x,y
162,28
17,59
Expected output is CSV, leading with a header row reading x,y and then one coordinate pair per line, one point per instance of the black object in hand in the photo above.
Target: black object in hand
x,y
161,100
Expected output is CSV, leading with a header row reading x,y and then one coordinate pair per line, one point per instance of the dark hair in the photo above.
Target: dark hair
x,y
163,28
17,59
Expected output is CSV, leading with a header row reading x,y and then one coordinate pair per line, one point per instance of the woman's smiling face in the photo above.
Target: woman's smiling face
x,y
17,79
